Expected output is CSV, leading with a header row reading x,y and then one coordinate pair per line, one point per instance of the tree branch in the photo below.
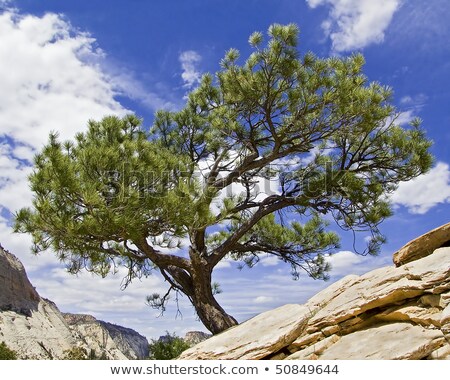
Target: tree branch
x,y
161,259
270,204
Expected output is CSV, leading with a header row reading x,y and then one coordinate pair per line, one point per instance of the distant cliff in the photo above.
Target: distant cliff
x,y
36,329
99,335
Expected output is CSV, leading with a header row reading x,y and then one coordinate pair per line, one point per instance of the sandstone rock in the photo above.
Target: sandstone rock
x,y
115,341
445,317
445,322
445,299
315,350
93,336
433,300
195,337
389,313
385,286
32,326
417,314
17,293
328,294
43,335
442,353
392,341
35,328
330,330
423,245
132,344
256,338
279,356
305,340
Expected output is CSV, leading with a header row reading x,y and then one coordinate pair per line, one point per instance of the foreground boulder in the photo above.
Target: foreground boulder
x,y
36,329
423,245
388,313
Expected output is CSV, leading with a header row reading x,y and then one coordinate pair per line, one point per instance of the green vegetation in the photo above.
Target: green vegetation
x,y
168,347
79,353
316,127
6,353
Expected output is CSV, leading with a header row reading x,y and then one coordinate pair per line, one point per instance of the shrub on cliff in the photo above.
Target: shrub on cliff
x,y
6,353
167,347
79,353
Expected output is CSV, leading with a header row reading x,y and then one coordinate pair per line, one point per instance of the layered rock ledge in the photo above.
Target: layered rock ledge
x,y
389,313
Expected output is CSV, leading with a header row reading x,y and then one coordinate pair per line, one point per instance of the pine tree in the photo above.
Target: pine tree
x,y
118,194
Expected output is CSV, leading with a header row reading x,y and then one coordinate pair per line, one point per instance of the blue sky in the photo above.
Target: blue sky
x,y
64,62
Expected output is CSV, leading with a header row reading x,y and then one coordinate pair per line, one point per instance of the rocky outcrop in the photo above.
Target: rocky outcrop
x,y
35,328
423,245
121,342
389,313
129,341
42,334
17,294
195,337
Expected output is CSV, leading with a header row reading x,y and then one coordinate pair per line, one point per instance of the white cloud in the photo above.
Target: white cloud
x,y
426,191
415,101
263,299
70,291
50,81
191,75
20,245
405,117
355,24
126,84
411,107
14,190
224,264
344,263
269,261
406,100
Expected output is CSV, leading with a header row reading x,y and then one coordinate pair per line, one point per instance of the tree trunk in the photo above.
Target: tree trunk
x,y
212,315
196,284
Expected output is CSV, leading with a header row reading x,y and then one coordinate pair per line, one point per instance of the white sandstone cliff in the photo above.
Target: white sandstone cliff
x,y
35,328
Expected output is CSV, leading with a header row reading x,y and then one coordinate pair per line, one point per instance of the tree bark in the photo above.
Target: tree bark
x,y
212,315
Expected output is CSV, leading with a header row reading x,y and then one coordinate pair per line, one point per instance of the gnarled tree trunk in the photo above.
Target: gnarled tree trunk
x,y
196,284
212,315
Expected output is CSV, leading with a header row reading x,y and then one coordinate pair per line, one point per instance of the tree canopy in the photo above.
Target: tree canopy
x,y
121,195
